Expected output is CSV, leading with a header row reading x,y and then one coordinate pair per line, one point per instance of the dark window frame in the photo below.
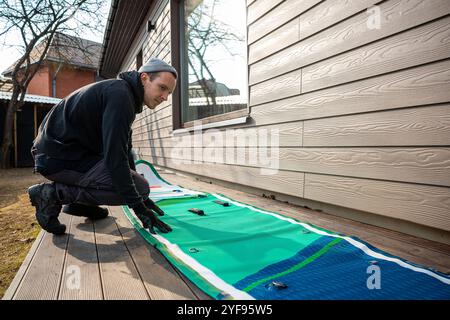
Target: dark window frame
x,y
139,59
175,40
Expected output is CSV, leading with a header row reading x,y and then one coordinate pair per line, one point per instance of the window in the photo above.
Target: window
x,y
213,59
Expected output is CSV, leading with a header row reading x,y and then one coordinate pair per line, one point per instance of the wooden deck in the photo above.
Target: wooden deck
x,y
109,260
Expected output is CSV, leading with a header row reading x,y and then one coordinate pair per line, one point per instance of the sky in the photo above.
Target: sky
x,y
9,53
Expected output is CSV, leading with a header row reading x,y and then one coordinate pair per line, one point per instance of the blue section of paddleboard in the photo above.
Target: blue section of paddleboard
x,y
343,273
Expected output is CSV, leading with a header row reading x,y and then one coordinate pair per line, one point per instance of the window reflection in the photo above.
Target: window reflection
x,y
215,57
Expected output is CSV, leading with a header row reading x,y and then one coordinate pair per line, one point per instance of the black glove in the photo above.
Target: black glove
x,y
151,205
149,220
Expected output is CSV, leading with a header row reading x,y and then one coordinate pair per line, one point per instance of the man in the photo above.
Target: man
x,y
84,148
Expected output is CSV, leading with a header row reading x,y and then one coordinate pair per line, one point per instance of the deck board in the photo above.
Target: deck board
x,y
115,262
120,278
43,277
81,275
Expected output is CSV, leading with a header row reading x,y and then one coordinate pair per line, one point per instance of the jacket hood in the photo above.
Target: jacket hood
x,y
134,81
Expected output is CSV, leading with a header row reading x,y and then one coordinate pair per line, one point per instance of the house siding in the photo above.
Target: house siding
x,y
363,115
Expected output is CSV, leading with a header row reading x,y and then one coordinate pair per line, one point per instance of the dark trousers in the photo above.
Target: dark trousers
x,y
92,187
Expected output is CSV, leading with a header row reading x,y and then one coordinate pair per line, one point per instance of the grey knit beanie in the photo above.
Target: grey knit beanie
x,y
157,65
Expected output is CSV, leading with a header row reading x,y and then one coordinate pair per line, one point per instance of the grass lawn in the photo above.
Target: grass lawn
x,y
18,226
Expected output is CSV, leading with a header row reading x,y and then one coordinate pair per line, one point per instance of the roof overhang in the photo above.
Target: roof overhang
x,y
125,19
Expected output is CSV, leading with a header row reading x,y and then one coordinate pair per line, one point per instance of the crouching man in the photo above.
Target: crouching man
x,y
84,148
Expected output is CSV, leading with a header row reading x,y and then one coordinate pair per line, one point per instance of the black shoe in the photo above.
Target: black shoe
x,y
83,210
43,197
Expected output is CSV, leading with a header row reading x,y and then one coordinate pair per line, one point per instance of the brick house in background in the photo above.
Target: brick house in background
x,y
69,64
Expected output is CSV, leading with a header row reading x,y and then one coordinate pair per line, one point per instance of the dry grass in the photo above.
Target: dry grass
x,y
18,226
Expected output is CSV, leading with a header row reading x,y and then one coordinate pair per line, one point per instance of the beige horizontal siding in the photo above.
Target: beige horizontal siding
x,y
428,84
286,134
418,126
154,132
281,14
259,8
162,111
158,38
427,43
283,182
283,86
325,14
155,125
274,41
425,205
414,165
397,16
161,43
149,125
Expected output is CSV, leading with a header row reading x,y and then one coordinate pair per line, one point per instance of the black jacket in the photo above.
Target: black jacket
x,y
96,120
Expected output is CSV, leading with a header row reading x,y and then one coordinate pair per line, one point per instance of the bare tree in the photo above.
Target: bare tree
x,y
39,22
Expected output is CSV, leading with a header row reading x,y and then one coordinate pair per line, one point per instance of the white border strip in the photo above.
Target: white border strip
x,y
357,244
206,273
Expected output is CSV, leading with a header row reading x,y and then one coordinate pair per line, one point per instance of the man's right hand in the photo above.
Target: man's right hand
x,y
149,220
152,206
